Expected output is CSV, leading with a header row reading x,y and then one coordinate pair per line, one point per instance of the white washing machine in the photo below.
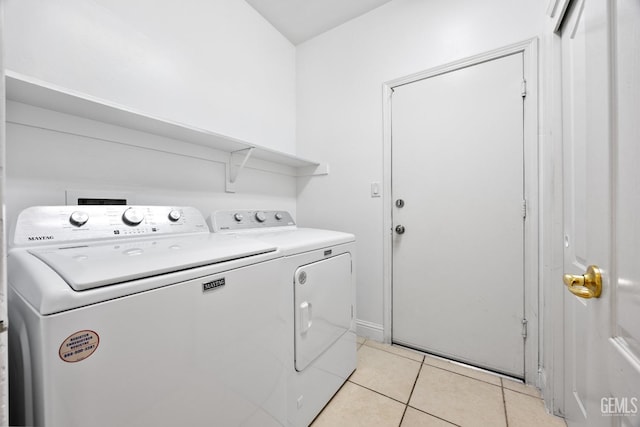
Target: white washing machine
x,y
139,316
318,268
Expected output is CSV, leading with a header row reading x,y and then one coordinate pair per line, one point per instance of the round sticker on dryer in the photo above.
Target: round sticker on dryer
x,y
78,346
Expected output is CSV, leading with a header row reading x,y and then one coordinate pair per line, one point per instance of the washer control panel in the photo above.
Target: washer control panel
x,y
55,224
242,220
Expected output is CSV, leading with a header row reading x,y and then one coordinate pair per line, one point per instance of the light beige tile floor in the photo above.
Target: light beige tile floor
x,y
397,387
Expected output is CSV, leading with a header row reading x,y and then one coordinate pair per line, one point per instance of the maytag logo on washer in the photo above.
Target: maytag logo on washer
x,y
36,238
214,284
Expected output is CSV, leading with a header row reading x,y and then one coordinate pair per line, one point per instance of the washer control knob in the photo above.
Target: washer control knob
x,y
238,217
79,218
174,215
132,216
279,216
261,217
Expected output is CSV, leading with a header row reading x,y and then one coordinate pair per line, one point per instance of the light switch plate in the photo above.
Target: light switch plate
x,y
376,189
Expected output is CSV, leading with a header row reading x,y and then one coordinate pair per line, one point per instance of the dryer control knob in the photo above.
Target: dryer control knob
x,y
132,216
79,218
238,217
174,215
279,216
261,217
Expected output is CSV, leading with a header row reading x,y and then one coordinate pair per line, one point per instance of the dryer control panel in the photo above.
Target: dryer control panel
x,y
245,219
41,225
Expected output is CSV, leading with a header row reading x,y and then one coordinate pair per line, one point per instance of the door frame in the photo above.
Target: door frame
x,y
529,49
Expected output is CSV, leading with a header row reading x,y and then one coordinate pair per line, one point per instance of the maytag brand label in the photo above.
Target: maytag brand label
x,y
209,286
37,238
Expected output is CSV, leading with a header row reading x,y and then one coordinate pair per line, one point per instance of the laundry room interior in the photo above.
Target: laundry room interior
x,y
461,280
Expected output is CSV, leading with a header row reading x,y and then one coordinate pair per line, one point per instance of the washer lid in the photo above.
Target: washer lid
x,y
91,266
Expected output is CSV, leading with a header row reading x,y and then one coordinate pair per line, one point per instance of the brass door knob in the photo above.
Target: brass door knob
x,y
588,285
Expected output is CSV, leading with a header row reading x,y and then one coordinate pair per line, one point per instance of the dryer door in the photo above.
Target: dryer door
x,y
323,307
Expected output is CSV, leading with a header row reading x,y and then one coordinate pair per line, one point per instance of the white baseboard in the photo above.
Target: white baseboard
x,y
541,382
369,330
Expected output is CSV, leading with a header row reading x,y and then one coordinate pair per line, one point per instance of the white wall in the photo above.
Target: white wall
x,y
339,100
100,160
214,64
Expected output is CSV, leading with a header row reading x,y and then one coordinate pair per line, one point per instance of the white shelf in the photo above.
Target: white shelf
x,y
41,94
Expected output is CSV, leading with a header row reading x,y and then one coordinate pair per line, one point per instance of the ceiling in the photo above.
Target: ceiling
x,y
300,20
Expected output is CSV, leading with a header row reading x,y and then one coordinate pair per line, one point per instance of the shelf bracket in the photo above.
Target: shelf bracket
x,y
314,170
234,166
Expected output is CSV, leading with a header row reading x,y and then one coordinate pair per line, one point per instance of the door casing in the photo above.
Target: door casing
x,y
529,50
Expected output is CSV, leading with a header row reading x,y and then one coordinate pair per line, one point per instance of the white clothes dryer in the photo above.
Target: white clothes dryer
x,y
318,268
139,316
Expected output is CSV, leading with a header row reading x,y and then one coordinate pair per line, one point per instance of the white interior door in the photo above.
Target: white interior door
x,y
457,164
600,93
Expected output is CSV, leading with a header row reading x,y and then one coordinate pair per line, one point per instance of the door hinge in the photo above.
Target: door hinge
x,y
524,328
524,209
523,88
352,312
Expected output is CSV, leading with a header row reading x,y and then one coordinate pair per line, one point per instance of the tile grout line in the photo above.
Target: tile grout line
x,y
395,354
467,376
418,409
434,416
504,402
424,362
523,393
412,389
377,392
512,390
401,402
406,405
424,358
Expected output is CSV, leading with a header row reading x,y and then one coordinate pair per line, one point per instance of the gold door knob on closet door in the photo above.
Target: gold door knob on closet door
x,y
588,285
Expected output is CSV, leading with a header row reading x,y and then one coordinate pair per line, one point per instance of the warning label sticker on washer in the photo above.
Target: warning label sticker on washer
x,y
79,346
